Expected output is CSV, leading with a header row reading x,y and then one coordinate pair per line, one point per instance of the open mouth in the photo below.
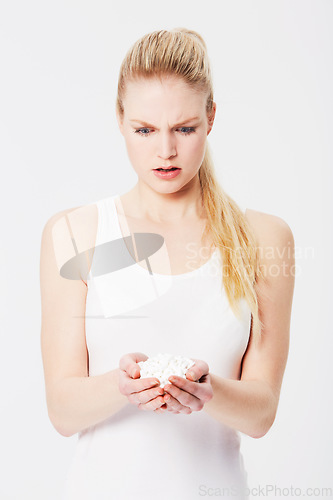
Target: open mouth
x,y
166,169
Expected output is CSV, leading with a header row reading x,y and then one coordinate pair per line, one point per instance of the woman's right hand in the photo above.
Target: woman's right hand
x,y
144,393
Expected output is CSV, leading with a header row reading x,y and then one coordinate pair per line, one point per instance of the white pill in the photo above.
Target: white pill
x,y
162,366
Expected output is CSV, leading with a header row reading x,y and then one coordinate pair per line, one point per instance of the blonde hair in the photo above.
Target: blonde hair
x,y
183,53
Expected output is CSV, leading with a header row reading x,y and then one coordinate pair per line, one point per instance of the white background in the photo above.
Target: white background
x,y
272,147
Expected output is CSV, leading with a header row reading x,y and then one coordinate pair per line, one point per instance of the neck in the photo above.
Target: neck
x,y
167,207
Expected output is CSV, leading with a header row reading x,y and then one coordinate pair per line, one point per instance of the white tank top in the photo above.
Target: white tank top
x,y
144,455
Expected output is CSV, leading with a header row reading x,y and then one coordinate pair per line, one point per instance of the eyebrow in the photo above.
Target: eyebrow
x,y
145,124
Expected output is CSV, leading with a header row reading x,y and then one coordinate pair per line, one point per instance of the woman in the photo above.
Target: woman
x,y
173,265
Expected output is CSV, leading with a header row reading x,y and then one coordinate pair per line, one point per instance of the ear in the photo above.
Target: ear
x,y
211,118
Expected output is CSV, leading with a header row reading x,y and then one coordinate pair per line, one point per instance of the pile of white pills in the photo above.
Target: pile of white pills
x,y
163,366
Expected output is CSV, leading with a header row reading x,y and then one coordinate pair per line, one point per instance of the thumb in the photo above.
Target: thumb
x,y
191,375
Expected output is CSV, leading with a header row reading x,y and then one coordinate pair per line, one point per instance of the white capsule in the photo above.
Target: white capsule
x,y
162,366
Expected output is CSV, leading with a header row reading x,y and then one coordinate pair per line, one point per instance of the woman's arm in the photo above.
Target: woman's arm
x,y
74,400
250,404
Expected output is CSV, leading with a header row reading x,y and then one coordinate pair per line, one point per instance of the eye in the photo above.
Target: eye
x,y
140,131
187,130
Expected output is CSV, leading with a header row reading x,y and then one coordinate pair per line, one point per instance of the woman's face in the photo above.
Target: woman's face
x,y
165,124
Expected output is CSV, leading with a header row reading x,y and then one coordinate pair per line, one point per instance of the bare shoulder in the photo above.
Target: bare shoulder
x,y
79,214
80,221
69,232
269,229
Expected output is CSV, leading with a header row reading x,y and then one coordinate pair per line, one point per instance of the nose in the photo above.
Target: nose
x,y
166,146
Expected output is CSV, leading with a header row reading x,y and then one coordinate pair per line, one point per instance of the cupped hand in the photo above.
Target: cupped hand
x,y
190,394
144,393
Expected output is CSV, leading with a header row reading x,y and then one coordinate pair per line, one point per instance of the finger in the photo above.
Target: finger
x,y
166,408
175,406
186,385
162,409
198,370
183,397
128,363
131,386
152,405
144,397
131,358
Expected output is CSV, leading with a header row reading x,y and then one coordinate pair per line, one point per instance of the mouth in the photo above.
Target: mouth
x,y
168,169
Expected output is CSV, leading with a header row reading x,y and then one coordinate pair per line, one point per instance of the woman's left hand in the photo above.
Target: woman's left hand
x,y
190,394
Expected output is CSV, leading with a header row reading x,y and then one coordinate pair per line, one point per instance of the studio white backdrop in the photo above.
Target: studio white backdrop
x,y
272,147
